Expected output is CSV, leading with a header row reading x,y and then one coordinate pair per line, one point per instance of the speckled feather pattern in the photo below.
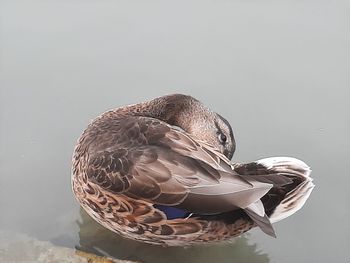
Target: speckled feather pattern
x,y
131,158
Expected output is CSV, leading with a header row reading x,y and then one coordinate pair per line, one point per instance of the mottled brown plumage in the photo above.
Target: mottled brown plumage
x,y
132,160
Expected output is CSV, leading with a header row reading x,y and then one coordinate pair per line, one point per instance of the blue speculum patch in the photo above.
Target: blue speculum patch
x,y
172,212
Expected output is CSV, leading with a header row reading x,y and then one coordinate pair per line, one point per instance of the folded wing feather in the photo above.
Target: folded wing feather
x,y
166,166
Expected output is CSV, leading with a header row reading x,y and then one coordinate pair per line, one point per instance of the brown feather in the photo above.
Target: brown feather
x,y
131,158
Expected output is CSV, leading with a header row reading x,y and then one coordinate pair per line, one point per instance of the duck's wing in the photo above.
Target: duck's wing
x,y
147,159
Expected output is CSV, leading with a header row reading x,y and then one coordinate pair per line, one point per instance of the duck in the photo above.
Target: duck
x,y
160,172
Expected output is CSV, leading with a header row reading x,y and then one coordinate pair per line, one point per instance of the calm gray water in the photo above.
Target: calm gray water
x,y
279,72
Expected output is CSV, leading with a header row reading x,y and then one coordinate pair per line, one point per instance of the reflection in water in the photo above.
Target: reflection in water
x,y
99,240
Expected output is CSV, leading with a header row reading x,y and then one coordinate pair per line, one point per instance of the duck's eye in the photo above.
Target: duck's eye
x,y
222,137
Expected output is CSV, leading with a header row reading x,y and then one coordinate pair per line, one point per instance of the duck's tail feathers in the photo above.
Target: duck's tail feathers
x,y
295,198
286,165
257,213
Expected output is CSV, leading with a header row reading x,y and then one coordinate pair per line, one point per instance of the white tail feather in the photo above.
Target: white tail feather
x,y
295,199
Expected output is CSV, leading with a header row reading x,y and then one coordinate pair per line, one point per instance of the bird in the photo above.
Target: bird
x,y
160,172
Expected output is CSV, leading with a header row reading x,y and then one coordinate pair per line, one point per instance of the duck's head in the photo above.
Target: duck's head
x,y
225,140
198,120
215,130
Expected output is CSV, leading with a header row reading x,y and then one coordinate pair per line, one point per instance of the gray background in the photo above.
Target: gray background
x,y
279,72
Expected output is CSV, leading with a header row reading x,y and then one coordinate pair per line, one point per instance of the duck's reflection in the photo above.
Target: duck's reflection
x,y
96,239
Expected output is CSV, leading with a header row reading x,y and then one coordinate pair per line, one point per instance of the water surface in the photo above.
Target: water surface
x,y
279,72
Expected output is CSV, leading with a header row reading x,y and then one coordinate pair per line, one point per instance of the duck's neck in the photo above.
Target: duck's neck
x,y
179,110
